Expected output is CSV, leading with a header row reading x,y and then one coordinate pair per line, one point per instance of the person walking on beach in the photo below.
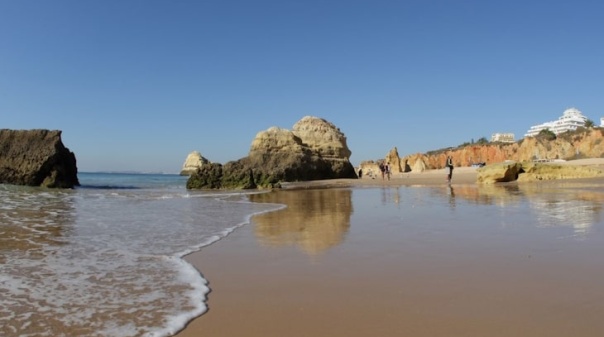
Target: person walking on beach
x,y
387,169
449,165
382,169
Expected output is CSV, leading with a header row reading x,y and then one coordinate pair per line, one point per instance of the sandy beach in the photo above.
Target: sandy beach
x,y
358,259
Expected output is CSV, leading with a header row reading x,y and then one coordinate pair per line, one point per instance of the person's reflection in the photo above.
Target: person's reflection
x,y
391,195
451,194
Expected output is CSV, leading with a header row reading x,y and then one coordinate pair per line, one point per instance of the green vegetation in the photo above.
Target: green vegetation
x,y
589,123
480,141
546,134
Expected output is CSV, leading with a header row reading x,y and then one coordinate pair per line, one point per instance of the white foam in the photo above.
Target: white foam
x,y
109,262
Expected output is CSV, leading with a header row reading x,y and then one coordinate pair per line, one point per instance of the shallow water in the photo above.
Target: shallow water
x,y
506,260
105,259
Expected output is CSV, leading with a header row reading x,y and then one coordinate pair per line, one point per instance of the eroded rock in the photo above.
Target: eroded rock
x,y
36,158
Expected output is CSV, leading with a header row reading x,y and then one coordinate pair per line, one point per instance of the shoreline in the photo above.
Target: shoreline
x,y
461,176
292,287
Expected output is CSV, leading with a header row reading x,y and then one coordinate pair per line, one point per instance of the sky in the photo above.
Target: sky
x,y
138,85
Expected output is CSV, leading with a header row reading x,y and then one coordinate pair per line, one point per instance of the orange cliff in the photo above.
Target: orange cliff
x,y
584,143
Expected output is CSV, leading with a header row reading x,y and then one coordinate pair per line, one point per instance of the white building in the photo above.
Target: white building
x,y
570,120
502,137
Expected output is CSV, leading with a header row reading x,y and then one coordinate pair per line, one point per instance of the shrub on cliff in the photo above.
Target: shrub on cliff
x,y
546,134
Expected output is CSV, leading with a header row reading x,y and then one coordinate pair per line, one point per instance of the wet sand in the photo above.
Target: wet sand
x,y
327,266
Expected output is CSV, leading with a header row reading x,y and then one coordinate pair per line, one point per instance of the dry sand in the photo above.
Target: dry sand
x,y
302,286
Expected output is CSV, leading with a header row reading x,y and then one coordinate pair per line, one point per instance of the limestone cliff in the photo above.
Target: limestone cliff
x,y
586,143
314,149
529,171
36,158
322,137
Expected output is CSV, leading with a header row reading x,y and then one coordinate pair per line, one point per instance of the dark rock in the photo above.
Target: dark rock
x,y
207,177
36,158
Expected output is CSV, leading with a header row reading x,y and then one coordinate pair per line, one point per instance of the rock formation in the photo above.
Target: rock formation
x,y
397,164
394,160
371,169
498,173
586,143
313,150
322,138
36,158
548,171
419,166
193,162
530,171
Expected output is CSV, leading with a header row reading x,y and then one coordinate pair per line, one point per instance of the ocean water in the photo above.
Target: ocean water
x,y
105,259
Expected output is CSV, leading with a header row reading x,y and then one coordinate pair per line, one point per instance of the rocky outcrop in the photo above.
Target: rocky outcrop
x,y
419,166
193,162
498,173
393,159
322,138
370,168
530,171
314,149
549,171
586,143
36,158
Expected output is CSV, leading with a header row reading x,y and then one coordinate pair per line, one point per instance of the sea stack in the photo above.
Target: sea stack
x,y
193,162
314,149
36,158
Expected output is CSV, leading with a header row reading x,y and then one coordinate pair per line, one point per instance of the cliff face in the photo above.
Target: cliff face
x,y
582,144
36,158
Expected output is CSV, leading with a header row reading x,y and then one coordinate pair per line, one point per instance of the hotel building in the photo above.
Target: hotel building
x,y
570,120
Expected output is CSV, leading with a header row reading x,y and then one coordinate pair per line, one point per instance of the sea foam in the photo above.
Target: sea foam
x,y
108,261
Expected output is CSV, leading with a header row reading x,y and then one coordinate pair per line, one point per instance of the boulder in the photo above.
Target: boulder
x,y
500,172
36,158
314,150
193,162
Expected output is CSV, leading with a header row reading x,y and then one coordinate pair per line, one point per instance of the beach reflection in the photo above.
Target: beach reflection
x,y
391,195
33,219
451,194
564,204
314,220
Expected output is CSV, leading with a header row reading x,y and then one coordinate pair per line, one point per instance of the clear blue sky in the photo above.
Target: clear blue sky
x,y
137,85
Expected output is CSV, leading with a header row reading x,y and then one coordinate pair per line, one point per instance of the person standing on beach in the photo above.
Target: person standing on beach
x,y
387,169
449,165
382,169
